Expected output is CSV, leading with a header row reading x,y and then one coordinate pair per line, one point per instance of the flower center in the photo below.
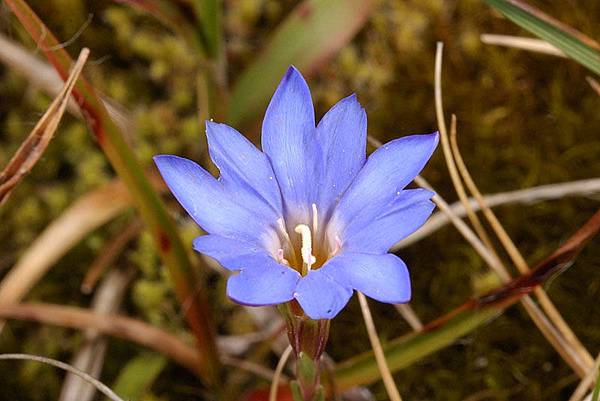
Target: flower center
x,y
307,248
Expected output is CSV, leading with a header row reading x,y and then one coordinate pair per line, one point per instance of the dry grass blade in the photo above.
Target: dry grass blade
x,y
252,367
554,327
556,23
86,214
104,389
587,382
119,326
44,76
408,313
108,255
588,187
454,175
114,325
386,375
90,356
594,84
33,147
518,259
278,371
518,42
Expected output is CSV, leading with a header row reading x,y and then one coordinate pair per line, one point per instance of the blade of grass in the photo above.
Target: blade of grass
x,y
108,254
594,84
165,12
278,372
39,138
454,175
528,196
402,352
90,355
518,259
208,14
61,365
114,325
573,43
386,376
408,314
518,42
596,393
150,206
86,214
575,351
123,327
584,385
309,36
42,75
138,374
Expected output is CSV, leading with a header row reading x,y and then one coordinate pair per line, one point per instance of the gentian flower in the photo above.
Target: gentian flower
x,y
309,218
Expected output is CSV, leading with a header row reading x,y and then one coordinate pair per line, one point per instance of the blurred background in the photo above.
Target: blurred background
x,y
524,119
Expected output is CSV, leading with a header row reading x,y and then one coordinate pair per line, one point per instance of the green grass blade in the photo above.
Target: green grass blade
x,y
404,351
138,375
311,34
574,44
401,352
596,393
208,13
149,204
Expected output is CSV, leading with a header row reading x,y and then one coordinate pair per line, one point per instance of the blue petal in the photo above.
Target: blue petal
x,y
241,164
288,138
387,171
405,215
232,254
207,202
263,282
342,135
320,296
381,277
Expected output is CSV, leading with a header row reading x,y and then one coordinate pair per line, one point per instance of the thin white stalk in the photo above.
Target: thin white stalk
x,y
408,313
518,42
103,388
278,372
386,374
584,188
587,382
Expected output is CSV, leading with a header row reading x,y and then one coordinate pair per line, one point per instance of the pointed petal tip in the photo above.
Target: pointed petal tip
x,y
165,161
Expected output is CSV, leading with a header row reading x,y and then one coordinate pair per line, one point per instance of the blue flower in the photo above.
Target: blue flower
x,y
309,218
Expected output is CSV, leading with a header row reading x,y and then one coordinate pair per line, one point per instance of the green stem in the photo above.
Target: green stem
x,y
149,204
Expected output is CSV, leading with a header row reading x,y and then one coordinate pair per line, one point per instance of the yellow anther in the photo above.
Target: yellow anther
x,y
307,257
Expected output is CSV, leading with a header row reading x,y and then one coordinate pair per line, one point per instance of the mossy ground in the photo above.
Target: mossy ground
x,y
524,119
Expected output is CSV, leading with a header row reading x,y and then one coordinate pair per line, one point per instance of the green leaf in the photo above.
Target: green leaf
x,y
310,35
138,375
573,43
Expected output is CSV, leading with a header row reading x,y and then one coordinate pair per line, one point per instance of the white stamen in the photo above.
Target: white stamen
x,y
315,218
307,257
